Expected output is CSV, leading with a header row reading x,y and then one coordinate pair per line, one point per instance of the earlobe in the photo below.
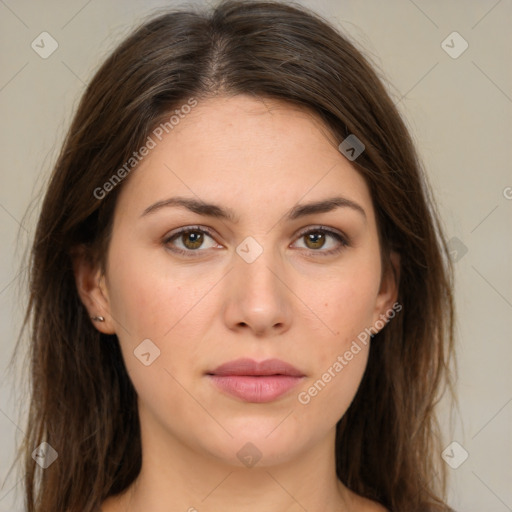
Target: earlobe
x,y
92,290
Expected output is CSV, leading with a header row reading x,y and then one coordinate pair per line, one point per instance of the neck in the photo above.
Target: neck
x,y
175,476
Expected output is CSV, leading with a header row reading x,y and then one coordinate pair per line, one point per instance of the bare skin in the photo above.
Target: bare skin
x,y
304,299
352,502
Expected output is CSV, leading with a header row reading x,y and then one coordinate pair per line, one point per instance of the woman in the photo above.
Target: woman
x,y
240,291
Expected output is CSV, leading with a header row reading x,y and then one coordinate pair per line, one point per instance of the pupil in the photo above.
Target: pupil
x,y
193,239
316,238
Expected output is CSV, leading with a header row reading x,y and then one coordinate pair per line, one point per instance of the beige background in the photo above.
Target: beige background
x,y
458,109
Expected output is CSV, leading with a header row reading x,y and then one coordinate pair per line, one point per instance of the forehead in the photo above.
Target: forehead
x,y
246,151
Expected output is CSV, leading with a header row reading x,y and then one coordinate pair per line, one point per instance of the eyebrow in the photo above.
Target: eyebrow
x,y
216,211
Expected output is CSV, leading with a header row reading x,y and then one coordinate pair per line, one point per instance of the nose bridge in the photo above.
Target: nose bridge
x,y
260,275
259,298
257,265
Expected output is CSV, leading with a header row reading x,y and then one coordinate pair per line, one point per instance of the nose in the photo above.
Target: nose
x,y
258,299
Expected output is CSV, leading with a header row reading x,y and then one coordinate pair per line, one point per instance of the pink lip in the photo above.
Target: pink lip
x,y
256,382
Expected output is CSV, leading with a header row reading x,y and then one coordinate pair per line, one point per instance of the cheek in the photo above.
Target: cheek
x,y
148,302
328,394
340,354
353,311
146,299
333,387
346,304
338,360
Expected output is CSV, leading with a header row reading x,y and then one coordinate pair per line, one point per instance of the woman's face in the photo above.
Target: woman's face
x,y
260,274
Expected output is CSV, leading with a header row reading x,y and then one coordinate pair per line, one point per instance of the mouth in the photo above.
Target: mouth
x,y
256,382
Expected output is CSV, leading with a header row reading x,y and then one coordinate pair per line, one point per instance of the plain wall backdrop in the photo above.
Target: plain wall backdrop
x,y
457,102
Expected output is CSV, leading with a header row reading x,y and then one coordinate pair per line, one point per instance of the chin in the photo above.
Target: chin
x,y
257,442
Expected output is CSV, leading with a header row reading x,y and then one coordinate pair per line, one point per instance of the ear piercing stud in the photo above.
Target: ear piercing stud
x,y
98,318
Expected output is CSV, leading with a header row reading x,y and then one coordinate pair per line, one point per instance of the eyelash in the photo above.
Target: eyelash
x,y
198,229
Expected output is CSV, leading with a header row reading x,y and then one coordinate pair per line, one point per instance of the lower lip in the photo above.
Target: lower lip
x,y
256,389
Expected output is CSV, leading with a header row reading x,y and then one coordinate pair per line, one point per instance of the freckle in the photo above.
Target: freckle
x,y
326,304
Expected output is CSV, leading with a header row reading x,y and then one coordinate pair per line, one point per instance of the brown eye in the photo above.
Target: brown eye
x,y
189,240
318,238
315,240
192,239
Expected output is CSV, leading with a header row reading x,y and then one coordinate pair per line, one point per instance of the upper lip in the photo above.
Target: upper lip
x,y
250,367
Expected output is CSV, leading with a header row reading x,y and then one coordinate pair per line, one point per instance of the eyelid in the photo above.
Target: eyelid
x,y
342,238
326,229
192,227
185,229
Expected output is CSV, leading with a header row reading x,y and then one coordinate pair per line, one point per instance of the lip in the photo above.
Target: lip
x,y
256,382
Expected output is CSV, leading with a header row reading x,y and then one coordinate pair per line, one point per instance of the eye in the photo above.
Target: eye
x,y
315,239
191,239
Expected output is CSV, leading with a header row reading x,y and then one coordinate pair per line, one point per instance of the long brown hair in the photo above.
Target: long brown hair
x,y
82,400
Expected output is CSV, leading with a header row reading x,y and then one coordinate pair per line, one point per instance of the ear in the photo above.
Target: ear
x,y
90,284
388,292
